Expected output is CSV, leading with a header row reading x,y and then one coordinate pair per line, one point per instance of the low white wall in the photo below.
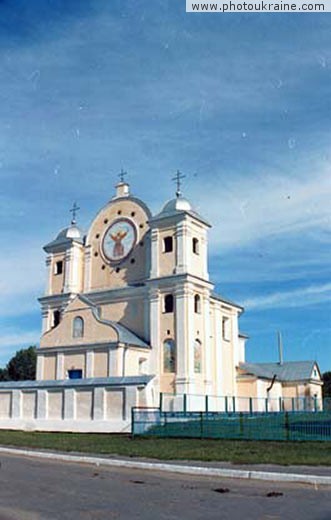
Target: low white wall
x,y
85,407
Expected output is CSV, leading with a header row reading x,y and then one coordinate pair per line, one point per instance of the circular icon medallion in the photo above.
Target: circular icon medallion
x,y
119,240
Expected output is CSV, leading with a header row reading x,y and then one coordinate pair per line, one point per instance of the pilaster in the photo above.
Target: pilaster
x,y
220,390
89,363
40,367
154,253
155,304
207,342
181,249
60,366
48,263
87,271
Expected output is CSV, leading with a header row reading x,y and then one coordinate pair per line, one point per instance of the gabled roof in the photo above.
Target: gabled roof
x,y
124,335
287,371
222,299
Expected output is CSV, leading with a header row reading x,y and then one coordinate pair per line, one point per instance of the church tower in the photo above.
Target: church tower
x,y
179,297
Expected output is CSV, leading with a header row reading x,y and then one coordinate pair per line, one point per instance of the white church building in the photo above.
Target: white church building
x,y
129,314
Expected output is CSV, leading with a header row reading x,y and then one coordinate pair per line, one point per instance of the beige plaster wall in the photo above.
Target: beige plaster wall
x,y
167,261
130,313
74,361
167,383
57,280
100,363
93,329
49,371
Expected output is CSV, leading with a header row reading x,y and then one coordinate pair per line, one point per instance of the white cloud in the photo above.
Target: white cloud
x,y
23,277
246,210
302,297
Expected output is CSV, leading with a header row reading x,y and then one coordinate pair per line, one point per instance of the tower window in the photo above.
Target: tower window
x,y
195,246
78,327
197,304
56,318
169,356
167,245
59,267
226,329
168,303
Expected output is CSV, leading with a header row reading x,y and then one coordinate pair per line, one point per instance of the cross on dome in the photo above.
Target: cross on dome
x,y
122,175
74,211
178,178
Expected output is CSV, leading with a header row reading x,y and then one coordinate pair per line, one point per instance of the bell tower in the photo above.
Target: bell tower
x,y
180,294
64,262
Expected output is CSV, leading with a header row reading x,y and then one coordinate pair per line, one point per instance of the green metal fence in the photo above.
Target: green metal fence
x,y
215,403
286,426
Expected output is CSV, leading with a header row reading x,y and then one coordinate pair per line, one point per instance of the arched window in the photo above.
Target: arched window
x,y
168,303
169,356
195,246
167,245
78,327
197,356
197,304
56,318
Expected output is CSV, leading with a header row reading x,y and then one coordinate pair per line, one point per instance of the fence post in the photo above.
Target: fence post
x,y
226,404
266,405
241,424
233,404
280,404
132,421
206,404
161,401
184,403
287,426
251,405
293,404
201,425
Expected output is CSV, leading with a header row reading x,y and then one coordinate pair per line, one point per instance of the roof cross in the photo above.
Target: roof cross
x,y
74,211
178,178
122,175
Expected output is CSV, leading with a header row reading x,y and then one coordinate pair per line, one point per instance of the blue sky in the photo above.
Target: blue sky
x,y
240,103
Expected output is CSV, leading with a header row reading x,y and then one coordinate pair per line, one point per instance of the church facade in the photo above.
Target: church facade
x,y
130,318
134,297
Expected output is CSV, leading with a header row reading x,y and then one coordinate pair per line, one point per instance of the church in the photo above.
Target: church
x,y
130,316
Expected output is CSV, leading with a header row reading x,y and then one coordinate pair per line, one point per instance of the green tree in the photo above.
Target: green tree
x,y
327,384
22,366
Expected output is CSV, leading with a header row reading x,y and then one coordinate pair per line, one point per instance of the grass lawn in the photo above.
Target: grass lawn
x,y
237,451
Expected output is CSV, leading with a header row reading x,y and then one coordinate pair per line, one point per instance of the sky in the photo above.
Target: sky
x,y
240,103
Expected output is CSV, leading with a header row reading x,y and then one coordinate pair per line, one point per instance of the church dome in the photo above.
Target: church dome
x,y
72,232
65,237
177,204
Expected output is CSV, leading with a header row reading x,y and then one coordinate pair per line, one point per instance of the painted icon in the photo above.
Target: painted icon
x,y
119,240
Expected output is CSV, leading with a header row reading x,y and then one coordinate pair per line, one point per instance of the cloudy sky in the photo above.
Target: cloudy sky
x,y
240,103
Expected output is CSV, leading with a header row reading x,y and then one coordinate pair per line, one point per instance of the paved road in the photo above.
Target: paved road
x,y
33,489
